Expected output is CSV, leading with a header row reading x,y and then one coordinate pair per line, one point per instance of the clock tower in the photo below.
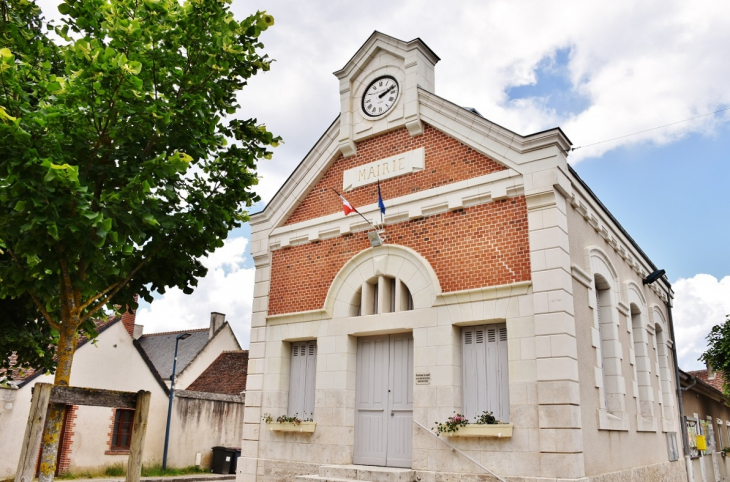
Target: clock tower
x,y
379,89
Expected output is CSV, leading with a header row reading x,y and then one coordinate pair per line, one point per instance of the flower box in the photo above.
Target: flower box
x,y
499,430
304,427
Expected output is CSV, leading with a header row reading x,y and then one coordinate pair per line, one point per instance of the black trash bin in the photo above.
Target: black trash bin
x,y
234,459
223,459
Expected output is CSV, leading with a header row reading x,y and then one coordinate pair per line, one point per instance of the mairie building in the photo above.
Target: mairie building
x,y
495,282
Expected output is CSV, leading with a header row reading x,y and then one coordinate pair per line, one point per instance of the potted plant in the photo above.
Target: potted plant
x,y
289,424
485,425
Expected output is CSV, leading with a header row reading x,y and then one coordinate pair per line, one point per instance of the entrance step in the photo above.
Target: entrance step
x,y
366,473
323,479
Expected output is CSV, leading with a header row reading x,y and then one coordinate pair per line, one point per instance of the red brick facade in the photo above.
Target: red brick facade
x,y
447,161
64,451
484,245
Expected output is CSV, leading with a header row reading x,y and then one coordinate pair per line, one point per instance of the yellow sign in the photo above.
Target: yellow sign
x,y
701,442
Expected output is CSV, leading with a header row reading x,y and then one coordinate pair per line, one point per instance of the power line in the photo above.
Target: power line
x,y
652,129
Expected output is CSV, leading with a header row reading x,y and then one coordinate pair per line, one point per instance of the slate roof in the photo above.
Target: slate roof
x,y
160,349
702,375
226,375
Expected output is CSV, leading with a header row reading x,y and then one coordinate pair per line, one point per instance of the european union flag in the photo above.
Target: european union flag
x,y
381,205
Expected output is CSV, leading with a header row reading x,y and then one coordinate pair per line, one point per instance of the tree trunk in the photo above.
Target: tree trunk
x,y
65,352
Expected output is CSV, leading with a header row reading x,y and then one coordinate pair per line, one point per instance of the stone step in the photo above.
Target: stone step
x,y
366,473
323,479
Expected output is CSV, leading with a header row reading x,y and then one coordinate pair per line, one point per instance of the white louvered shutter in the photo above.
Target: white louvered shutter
x,y
302,379
485,371
310,380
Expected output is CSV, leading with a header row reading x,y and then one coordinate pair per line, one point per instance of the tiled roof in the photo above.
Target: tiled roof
x,y
160,348
715,382
227,374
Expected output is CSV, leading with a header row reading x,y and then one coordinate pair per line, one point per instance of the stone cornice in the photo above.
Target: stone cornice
x,y
594,215
482,134
378,39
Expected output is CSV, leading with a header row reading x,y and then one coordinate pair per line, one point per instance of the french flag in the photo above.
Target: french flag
x,y
346,206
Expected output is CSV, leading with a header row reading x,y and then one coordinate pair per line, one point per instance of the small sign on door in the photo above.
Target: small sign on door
x,y
423,378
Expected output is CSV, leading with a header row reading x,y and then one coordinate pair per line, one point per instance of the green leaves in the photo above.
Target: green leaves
x,y
718,351
118,163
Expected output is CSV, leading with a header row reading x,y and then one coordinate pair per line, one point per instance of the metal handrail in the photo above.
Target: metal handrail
x,y
462,453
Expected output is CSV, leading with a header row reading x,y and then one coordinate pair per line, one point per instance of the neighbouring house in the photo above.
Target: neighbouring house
x,y
706,414
96,437
495,281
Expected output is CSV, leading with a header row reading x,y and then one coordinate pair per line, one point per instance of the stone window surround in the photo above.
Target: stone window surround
x,y
639,355
664,346
613,416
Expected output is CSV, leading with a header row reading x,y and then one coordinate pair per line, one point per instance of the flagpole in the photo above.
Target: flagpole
x,y
358,212
382,220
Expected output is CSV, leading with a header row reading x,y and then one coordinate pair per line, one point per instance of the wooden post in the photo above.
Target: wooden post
x,y
33,432
134,464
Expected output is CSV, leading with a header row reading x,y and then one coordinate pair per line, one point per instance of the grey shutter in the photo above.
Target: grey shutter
x,y
297,379
485,371
310,383
302,379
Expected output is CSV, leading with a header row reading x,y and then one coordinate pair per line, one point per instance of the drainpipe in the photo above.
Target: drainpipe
x,y
682,424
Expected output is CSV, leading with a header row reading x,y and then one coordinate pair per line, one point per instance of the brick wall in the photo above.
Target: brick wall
x,y
64,459
485,245
447,161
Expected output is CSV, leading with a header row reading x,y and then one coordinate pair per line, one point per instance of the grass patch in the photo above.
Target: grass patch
x,y
157,471
74,475
120,470
116,470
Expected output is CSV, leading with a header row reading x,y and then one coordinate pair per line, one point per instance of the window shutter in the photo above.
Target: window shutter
x,y
485,371
469,372
297,379
502,413
302,379
311,359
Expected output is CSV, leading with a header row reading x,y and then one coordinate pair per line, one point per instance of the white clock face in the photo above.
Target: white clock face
x,y
380,96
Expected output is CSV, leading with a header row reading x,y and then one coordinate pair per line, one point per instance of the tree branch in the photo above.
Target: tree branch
x,y
44,312
113,291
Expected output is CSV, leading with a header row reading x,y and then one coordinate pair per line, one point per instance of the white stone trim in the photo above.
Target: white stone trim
x,y
398,165
483,294
581,276
612,403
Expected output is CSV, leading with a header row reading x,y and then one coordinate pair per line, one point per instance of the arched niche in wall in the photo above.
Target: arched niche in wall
x,y
415,284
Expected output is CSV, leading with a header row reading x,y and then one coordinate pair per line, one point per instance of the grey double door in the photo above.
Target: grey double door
x,y
384,401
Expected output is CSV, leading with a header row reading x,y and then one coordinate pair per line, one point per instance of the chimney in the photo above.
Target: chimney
x,y
711,374
216,321
128,319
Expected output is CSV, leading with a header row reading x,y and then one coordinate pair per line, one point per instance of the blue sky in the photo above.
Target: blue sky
x,y
597,71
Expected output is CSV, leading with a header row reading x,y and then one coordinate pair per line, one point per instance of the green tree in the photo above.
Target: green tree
x,y
717,355
116,170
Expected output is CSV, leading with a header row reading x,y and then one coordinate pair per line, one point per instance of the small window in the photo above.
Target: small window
x,y
122,433
394,293
302,379
485,373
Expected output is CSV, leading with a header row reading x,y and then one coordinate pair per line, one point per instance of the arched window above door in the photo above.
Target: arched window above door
x,y
381,294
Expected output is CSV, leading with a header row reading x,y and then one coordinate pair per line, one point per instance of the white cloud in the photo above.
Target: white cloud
x,y
701,302
228,288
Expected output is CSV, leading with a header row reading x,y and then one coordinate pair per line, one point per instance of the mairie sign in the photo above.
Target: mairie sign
x,y
384,169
